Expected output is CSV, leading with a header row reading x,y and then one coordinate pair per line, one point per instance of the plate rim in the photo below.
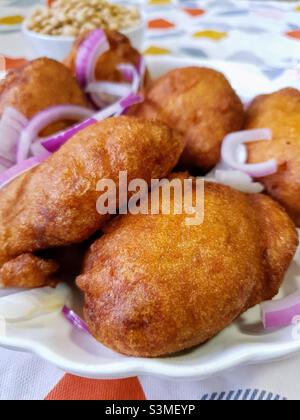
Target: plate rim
x,y
250,354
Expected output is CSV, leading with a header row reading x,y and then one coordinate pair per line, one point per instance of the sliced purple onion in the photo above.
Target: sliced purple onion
x,y
234,140
16,116
37,149
88,54
142,68
75,320
130,73
17,170
4,164
110,88
238,180
105,93
43,119
12,124
280,313
119,108
54,143
128,102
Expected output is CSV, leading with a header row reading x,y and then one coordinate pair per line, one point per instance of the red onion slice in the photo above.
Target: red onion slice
x,y
17,170
4,164
54,143
280,313
88,54
12,124
107,92
43,119
238,180
128,102
15,115
109,88
142,68
234,140
37,149
75,320
103,94
130,73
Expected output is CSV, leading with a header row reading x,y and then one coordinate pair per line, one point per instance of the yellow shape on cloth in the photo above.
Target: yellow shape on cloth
x,y
159,2
210,34
297,9
154,50
11,20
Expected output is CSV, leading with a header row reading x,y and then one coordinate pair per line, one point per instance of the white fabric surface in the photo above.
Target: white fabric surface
x,y
26,377
281,379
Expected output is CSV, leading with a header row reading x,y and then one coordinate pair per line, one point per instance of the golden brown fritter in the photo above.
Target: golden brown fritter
x,y
280,112
28,271
155,286
200,104
38,85
121,52
54,204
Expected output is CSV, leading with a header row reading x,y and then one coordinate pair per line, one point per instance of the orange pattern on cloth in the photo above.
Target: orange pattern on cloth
x,y
73,388
294,34
160,24
11,63
193,12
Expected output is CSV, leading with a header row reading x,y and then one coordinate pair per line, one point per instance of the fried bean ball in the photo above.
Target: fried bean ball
x,y
280,112
28,271
54,204
38,85
120,52
154,285
201,105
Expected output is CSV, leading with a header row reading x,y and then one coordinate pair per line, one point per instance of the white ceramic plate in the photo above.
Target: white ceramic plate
x,y
244,342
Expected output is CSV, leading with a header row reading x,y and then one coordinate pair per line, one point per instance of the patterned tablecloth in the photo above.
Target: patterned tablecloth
x,y
264,33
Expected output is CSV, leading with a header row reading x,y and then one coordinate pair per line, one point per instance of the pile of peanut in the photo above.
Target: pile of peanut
x,y
74,17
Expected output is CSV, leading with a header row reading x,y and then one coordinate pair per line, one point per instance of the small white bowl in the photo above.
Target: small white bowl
x,y
58,47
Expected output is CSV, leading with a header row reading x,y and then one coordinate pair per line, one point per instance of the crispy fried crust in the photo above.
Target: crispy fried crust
x,y
120,52
278,244
199,103
54,204
38,85
280,112
28,271
155,286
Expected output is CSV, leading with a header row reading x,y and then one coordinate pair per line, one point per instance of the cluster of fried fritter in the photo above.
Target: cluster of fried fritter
x,y
153,284
54,204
